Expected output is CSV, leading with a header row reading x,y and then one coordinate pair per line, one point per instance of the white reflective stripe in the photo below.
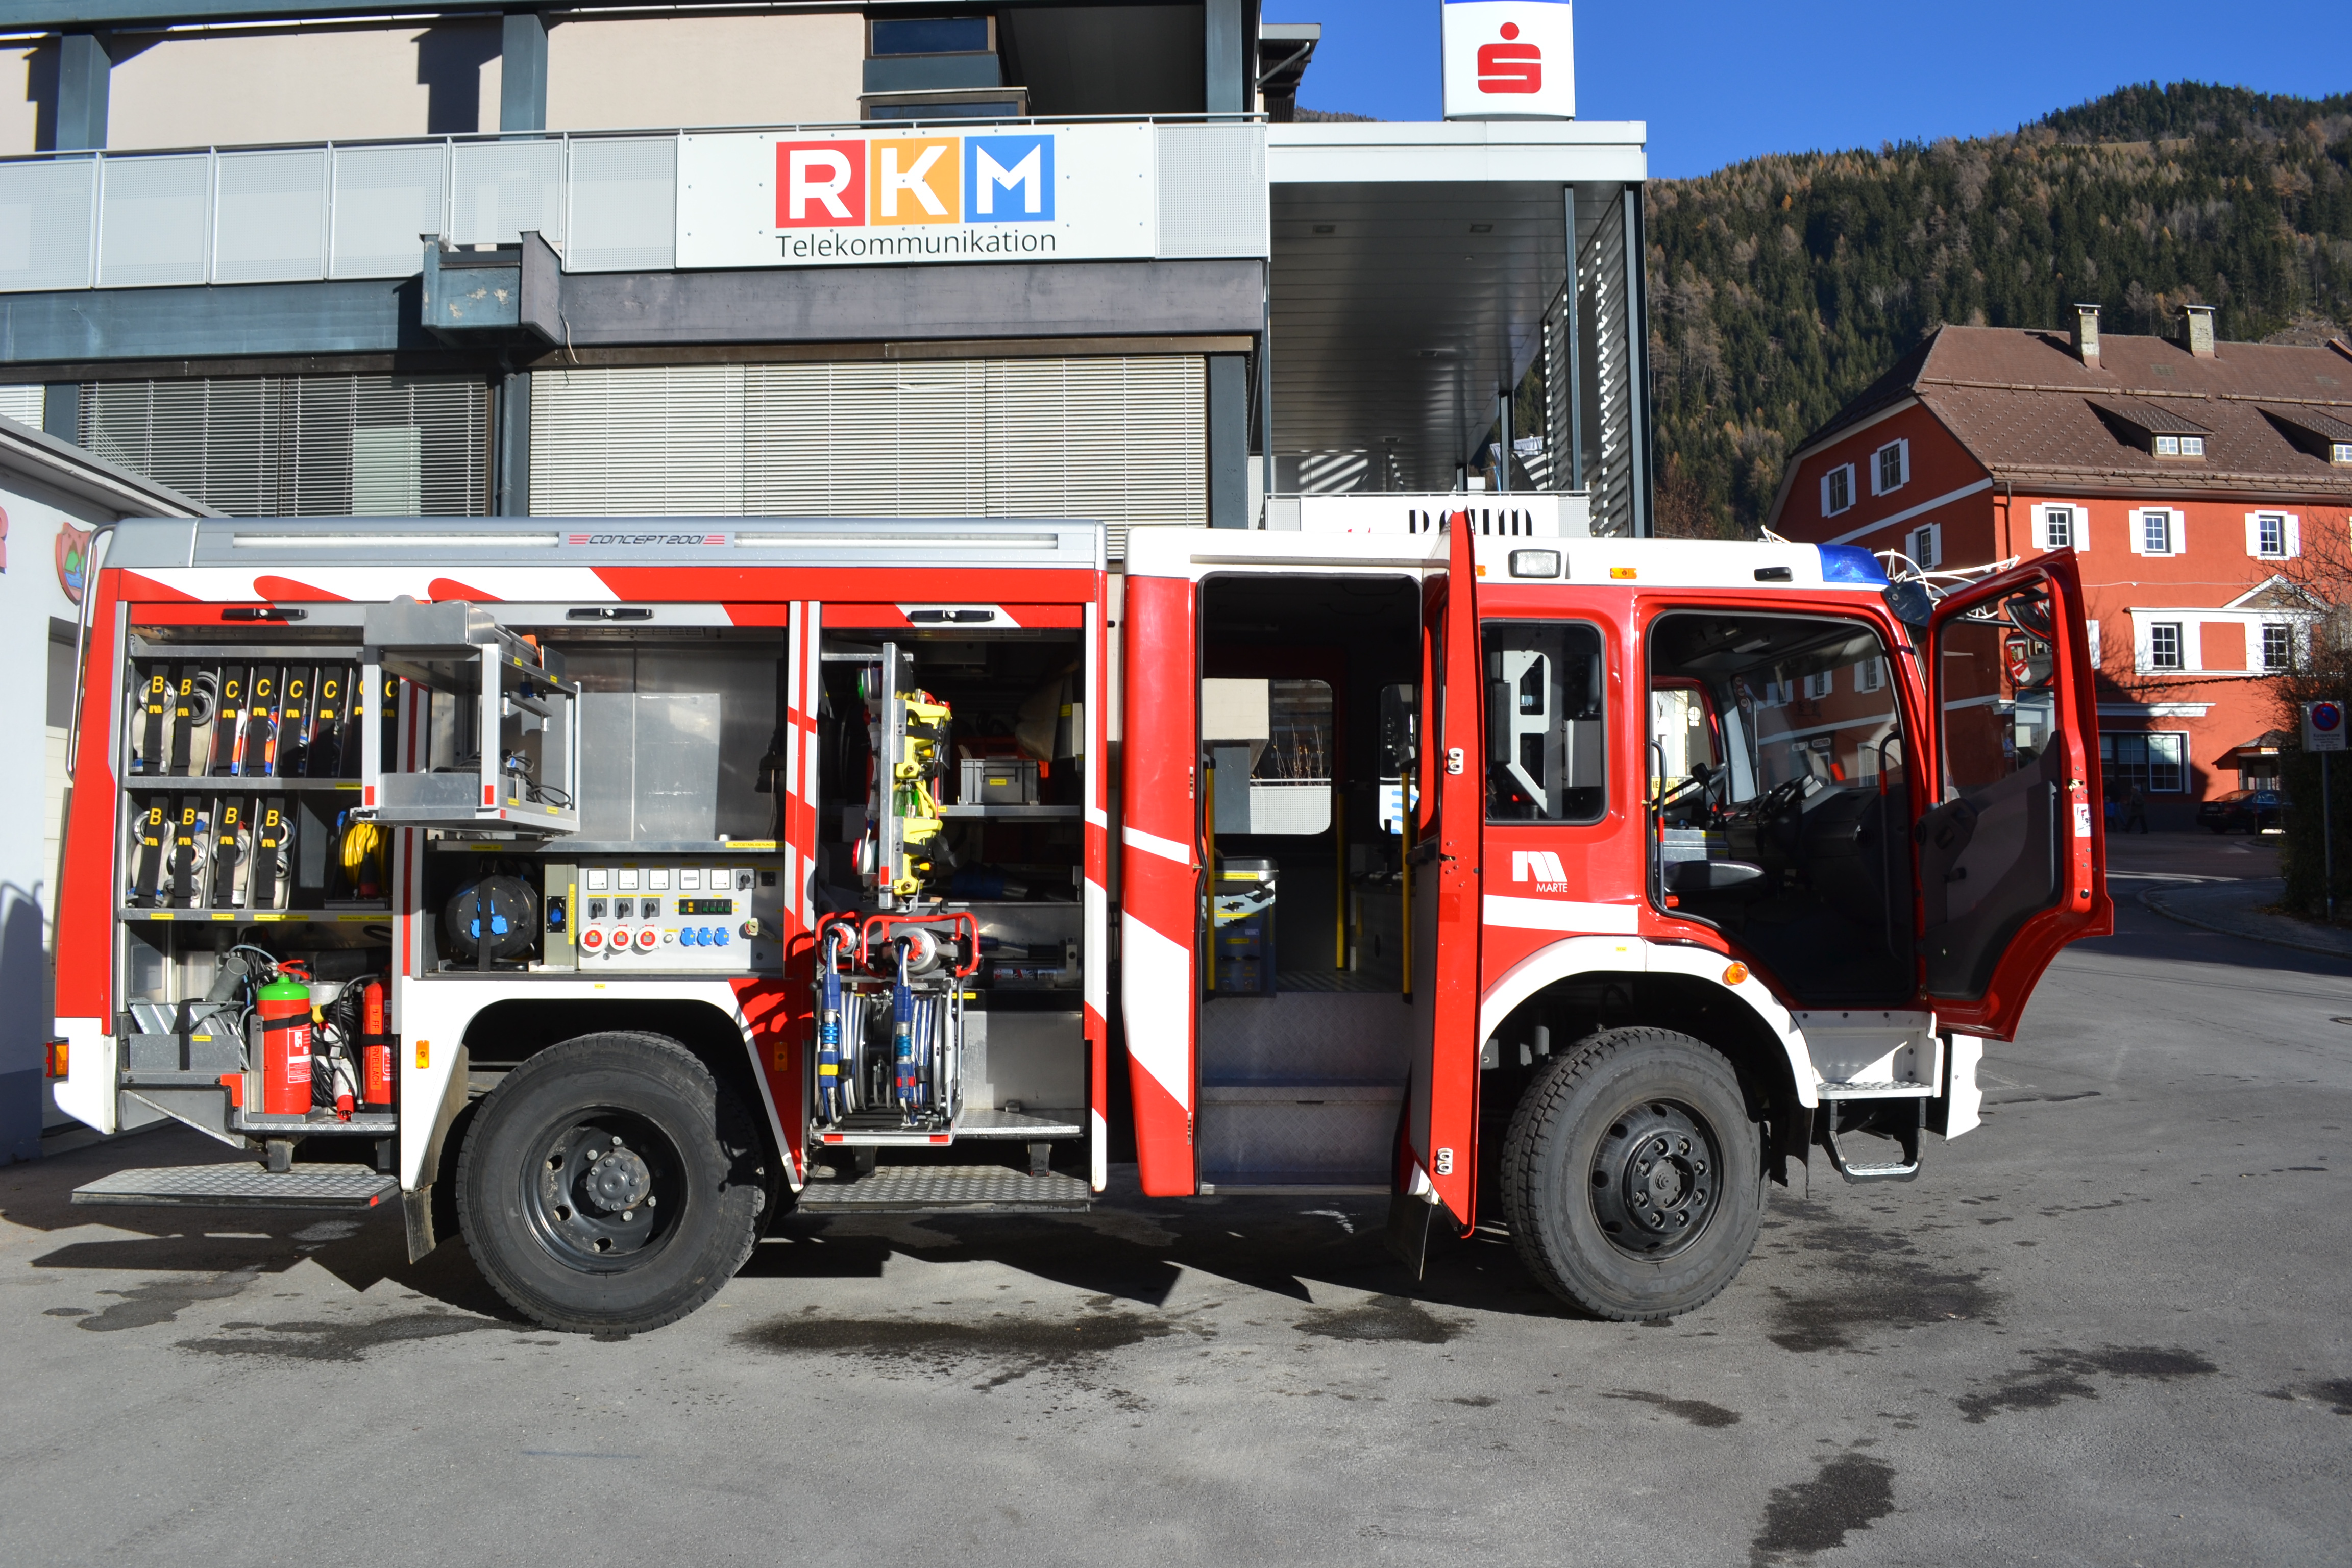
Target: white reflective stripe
x,y
381,585
1098,934
1562,914
87,1091
1166,848
1156,985
1098,1137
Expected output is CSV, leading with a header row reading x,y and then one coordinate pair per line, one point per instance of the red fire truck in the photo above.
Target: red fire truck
x,y
608,888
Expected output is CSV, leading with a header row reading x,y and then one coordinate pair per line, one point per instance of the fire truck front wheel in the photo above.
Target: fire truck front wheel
x,y
1632,1174
610,1185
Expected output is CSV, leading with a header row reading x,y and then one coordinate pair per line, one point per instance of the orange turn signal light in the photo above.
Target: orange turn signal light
x,y
1735,974
1623,573
60,1057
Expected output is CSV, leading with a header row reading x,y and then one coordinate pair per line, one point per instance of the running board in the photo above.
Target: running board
x,y
1907,1134
244,1186
935,1189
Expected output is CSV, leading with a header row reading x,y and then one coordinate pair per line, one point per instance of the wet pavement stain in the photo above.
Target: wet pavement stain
x,y
1383,1318
334,1342
1850,1492
1016,1346
1876,1280
161,1301
1697,1411
2056,1376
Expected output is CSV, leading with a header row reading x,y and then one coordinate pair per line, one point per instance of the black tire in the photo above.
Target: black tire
x,y
1573,1160
629,1120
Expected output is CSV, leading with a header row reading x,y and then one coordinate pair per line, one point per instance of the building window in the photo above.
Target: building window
x,y
1890,466
2058,528
1925,547
1870,675
2278,647
1837,490
2340,451
2158,764
1818,686
2180,446
2164,645
2269,535
931,36
2091,636
2156,536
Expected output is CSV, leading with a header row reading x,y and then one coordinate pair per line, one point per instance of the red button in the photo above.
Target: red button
x,y
592,939
647,939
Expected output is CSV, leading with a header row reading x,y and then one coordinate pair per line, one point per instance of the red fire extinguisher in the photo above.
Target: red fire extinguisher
x,y
285,1007
375,1048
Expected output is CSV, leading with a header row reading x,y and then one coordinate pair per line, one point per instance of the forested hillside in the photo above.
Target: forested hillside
x,y
1781,287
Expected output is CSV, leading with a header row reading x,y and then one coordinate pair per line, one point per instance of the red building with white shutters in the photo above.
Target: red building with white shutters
x,y
2186,473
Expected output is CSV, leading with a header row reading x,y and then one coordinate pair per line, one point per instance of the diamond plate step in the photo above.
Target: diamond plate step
x,y
245,1187
915,1189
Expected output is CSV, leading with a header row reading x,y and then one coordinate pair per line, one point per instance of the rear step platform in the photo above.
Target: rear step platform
x,y
930,1189
245,1187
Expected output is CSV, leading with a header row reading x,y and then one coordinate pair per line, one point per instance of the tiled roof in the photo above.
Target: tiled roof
x,y
2026,408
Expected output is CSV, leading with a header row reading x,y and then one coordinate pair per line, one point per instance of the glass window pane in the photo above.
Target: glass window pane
x,y
1544,687
931,36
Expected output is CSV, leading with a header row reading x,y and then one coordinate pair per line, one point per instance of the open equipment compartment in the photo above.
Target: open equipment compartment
x,y
251,888
949,856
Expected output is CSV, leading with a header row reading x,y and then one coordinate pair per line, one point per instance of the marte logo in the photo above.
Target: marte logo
x,y
1510,66
1540,867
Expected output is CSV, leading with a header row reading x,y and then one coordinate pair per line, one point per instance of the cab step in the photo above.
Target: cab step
x,y
930,1189
245,1187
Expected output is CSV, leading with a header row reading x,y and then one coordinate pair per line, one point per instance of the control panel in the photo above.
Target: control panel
x,y
674,915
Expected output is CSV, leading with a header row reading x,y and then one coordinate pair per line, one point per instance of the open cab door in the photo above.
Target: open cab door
x,y
1438,1162
2012,848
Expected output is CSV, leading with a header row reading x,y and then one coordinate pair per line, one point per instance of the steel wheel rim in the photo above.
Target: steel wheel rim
x,y
603,1189
1655,1179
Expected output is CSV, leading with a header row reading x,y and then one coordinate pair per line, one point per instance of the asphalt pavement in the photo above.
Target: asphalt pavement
x,y
2108,1326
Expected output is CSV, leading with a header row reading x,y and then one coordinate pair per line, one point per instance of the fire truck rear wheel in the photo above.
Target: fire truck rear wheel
x,y
610,1185
1632,1174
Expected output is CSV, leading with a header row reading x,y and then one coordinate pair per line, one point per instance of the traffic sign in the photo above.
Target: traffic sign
x,y
2323,726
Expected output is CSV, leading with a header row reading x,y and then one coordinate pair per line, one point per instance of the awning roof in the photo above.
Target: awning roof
x,y
1414,264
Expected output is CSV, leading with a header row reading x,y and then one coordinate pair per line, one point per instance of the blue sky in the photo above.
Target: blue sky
x,y
1720,82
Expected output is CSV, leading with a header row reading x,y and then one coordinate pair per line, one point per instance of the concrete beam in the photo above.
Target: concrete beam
x,y
1070,298
85,70
1228,441
522,72
885,305
1225,71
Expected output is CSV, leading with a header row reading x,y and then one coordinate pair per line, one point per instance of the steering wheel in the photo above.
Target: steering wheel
x,y
1775,802
1702,778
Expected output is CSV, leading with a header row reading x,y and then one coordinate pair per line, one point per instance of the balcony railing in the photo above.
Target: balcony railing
x,y
607,202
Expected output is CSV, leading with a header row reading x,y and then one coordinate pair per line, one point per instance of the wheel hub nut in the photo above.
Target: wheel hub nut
x,y
620,1180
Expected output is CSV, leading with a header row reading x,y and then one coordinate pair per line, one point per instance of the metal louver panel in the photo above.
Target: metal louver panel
x,y
151,220
650,441
324,445
623,213
1117,439
1609,389
45,212
24,403
270,216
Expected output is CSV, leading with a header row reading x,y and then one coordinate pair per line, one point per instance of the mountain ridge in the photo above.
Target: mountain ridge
x,y
1782,286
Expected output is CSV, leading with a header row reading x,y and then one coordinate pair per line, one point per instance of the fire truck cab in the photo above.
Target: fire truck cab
x,y
619,885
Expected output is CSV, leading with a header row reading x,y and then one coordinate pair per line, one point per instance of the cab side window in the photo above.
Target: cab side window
x,y
1544,722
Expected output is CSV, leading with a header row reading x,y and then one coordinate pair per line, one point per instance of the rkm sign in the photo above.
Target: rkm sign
x,y
1509,59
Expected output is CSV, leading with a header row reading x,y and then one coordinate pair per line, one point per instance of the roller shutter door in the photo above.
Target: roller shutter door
x,y
1119,439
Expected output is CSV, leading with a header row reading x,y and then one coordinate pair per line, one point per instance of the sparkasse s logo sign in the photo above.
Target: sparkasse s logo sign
x,y
1510,59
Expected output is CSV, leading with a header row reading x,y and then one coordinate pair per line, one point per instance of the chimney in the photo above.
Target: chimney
x,y
2085,338
2197,330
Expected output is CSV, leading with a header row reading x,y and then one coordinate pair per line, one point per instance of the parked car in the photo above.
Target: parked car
x,y
2241,811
